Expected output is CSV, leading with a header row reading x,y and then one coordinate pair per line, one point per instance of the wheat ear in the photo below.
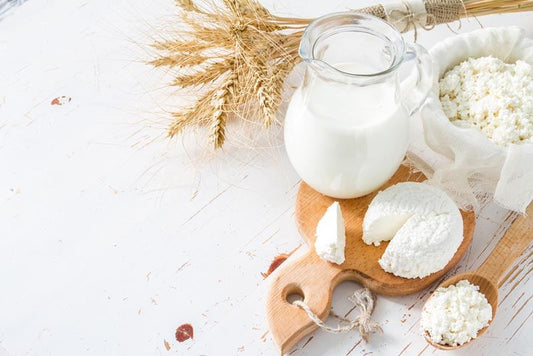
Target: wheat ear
x,y
221,103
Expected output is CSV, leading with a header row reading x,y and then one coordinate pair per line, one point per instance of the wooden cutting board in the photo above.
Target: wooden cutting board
x,y
315,279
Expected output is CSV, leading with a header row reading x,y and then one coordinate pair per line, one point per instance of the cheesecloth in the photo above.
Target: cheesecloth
x,y
463,161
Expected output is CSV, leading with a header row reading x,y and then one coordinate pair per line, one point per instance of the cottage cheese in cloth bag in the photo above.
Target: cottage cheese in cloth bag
x,y
470,166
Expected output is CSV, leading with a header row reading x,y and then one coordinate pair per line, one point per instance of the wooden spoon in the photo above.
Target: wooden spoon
x,y
489,274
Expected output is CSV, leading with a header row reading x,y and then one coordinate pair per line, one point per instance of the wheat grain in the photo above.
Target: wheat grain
x,y
221,103
179,60
197,114
178,46
205,75
188,5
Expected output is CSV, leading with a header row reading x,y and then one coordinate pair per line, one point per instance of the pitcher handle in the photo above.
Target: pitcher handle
x,y
415,94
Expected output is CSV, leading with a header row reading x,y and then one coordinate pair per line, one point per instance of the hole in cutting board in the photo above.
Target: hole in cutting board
x,y
294,296
293,292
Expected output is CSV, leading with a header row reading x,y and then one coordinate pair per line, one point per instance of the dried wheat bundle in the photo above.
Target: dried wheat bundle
x,y
237,54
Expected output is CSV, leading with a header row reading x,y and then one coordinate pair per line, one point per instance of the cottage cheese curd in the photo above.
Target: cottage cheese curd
x,y
454,315
424,224
493,96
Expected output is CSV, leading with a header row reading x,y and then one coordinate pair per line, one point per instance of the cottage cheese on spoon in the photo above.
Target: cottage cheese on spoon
x,y
454,315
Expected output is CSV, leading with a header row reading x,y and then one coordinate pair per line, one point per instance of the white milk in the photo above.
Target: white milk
x,y
344,140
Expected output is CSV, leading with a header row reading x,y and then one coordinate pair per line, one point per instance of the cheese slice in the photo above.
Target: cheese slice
x,y
424,224
331,236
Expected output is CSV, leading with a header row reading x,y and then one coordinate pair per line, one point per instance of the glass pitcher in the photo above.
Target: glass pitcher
x,y
347,125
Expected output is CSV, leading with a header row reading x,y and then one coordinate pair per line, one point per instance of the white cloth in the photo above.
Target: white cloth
x,y
469,166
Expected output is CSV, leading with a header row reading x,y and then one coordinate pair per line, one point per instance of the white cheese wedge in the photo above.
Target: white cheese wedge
x,y
424,224
331,236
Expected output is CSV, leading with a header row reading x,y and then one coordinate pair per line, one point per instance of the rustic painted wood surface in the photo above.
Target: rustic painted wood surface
x,y
111,237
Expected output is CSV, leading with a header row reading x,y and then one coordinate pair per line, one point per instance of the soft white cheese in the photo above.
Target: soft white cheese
x,y
424,224
454,315
391,208
331,236
423,245
492,96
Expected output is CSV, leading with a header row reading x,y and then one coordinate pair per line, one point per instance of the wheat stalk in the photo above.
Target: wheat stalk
x,y
239,41
238,55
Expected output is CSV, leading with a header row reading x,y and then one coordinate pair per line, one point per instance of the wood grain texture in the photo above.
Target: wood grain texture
x,y
490,273
315,279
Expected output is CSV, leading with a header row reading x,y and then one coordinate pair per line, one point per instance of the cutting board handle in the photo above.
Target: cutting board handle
x,y
309,277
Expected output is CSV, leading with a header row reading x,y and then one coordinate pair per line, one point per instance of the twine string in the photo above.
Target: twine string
x,y
364,301
416,14
409,19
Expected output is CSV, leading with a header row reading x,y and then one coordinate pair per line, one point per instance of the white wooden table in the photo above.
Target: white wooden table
x,y
111,236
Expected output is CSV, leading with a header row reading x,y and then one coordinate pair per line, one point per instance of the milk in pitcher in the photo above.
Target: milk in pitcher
x,y
347,125
346,143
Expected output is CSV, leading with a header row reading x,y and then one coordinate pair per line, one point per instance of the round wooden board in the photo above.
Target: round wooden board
x,y
362,259
315,279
